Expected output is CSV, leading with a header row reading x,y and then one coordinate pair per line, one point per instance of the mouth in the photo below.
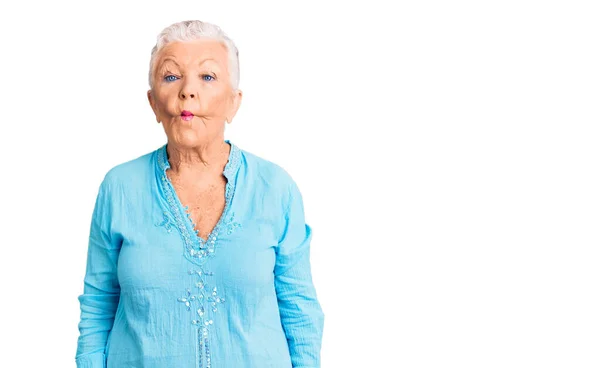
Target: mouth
x,y
187,115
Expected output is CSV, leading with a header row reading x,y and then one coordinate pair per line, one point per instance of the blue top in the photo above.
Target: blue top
x,y
157,295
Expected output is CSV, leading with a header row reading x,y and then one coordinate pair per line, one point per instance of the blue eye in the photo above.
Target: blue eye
x,y
171,78
209,76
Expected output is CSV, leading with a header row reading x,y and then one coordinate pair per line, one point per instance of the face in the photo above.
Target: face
x,y
192,94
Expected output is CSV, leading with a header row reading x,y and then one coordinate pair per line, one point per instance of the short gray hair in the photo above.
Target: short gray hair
x,y
190,30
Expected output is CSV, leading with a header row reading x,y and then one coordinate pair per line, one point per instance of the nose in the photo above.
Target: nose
x,y
183,95
188,91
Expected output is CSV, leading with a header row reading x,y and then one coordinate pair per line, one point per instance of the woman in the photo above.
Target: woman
x,y
199,252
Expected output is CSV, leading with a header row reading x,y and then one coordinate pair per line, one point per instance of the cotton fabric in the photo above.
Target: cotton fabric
x,y
156,295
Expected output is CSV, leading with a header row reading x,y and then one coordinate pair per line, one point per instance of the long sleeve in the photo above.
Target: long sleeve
x,y
101,289
301,315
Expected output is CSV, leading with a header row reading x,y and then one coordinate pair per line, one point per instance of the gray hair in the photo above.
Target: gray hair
x,y
190,30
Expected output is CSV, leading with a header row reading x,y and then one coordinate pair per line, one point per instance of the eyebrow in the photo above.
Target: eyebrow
x,y
205,60
161,66
175,62
168,59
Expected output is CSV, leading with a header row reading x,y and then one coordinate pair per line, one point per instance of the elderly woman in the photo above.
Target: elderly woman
x,y
198,253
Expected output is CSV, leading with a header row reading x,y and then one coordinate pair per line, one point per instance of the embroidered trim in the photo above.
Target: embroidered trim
x,y
196,302
197,249
166,222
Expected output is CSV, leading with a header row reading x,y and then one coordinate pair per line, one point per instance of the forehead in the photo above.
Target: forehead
x,y
194,52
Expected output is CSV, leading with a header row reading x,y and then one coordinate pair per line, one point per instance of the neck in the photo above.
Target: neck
x,y
198,160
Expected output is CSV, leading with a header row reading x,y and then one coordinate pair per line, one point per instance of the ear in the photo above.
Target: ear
x,y
235,104
152,103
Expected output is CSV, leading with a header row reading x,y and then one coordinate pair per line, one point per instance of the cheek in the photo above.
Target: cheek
x,y
163,101
214,103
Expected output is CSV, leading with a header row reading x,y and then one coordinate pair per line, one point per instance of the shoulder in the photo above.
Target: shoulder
x,y
272,173
273,178
130,172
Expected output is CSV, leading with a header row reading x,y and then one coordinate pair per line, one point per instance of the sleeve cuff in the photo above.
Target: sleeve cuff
x,y
94,360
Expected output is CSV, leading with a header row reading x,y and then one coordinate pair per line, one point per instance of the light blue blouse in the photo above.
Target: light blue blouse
x,y
156,295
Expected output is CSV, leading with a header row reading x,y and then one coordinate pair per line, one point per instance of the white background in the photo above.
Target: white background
x,y
447,151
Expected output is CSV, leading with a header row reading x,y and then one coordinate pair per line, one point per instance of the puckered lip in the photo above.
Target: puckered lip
x,y
186,113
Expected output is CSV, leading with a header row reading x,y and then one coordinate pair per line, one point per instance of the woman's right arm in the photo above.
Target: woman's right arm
x,y
101,289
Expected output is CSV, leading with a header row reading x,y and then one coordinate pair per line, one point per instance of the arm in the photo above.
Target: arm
x,y
101,289
301,315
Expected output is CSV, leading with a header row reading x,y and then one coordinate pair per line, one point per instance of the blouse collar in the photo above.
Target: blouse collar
x,y
231,168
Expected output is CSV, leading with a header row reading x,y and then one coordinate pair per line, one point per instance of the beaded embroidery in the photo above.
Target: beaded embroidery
x,y
205,299
197,249
202,317
166,222
230,225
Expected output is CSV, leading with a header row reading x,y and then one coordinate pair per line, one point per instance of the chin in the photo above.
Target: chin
x,y
188,138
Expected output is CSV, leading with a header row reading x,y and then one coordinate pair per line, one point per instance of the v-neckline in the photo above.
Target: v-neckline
x,y
196,246
187,214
